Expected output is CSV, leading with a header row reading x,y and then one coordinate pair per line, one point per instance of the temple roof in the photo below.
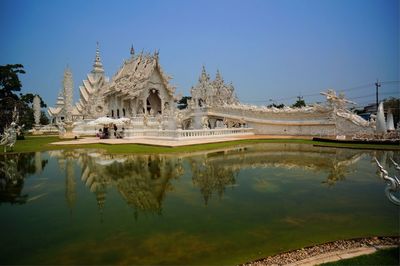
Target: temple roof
x,y
135,73
53,111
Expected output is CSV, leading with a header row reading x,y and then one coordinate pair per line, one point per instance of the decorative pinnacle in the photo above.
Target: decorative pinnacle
x,y
204,76
132,51
218,76
97,66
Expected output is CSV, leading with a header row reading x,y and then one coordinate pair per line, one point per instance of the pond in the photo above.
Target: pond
x,y
219,207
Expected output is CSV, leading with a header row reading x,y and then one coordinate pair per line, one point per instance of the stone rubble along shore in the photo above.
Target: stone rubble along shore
x,y
294,257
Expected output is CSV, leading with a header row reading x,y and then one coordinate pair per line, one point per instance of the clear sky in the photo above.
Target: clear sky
x,y
268,49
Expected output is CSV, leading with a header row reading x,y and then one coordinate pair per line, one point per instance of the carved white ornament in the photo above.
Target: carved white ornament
x,y
36,109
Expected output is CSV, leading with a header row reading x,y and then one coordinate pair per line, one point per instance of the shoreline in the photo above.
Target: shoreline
x,y
147,146
329,252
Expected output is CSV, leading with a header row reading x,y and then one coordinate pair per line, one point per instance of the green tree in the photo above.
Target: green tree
x,y
9,81
9,84
183,103
299,103
44,119
279,106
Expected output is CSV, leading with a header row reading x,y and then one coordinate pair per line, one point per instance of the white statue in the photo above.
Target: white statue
x,y
390,122
336,101
145,120
205,122
9,137
68,94
380,120
36,110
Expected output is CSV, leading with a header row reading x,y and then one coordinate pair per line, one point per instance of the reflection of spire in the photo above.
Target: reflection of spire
x,y
70,184
38,162
101,193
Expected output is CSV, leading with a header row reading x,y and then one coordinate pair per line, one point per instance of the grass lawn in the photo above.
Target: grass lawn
x,y
381,257
42,143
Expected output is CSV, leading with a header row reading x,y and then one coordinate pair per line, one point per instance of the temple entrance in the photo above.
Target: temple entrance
x,y
153,103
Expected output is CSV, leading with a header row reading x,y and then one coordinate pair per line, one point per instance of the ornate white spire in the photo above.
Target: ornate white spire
x,y
218,76
204,76
68,91
36,109
97,66
132,51
219,81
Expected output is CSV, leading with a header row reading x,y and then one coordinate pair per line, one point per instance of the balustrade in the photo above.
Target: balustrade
x,y
183,134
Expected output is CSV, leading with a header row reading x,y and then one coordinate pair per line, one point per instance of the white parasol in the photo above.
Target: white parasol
x,y
121,121
102,121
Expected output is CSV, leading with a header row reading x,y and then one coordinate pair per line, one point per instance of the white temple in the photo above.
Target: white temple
x,y
139,87
141,93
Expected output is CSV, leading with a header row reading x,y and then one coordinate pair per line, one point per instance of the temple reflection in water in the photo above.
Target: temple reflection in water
x,y
143,181
90,207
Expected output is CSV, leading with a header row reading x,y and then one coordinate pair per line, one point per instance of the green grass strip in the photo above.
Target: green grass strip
x,y
42,143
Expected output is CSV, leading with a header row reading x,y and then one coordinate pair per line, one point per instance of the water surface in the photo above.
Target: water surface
x,y
220,207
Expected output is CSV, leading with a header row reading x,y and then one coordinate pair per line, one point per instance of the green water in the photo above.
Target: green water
x,y
220,207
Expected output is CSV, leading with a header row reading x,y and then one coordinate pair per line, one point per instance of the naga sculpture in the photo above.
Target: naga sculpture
x,y
9,137
393,183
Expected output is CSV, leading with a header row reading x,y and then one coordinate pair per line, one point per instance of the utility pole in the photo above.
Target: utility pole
x,y
377,85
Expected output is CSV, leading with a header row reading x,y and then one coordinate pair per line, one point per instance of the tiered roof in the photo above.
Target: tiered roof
x,y
95,80
135,74
53,111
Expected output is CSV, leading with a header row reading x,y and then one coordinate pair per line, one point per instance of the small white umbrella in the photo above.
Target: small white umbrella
x,y
121,121
102,121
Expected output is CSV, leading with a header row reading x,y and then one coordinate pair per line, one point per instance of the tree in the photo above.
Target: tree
x,y
183,103
299,103
9,83
44,119
279,106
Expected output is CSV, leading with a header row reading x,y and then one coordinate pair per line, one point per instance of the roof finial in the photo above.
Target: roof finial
x,y
218,75
97,66
203,76
132,51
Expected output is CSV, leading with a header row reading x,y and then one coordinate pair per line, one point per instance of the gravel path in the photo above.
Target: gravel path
x,y
293,257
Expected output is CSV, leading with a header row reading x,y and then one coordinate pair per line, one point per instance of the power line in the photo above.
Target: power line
x,y
364,86
370,95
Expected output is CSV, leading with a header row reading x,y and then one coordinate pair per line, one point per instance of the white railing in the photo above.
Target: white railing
x,y
186,134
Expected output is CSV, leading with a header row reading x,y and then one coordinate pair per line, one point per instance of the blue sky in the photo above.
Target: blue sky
x,y
269,49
